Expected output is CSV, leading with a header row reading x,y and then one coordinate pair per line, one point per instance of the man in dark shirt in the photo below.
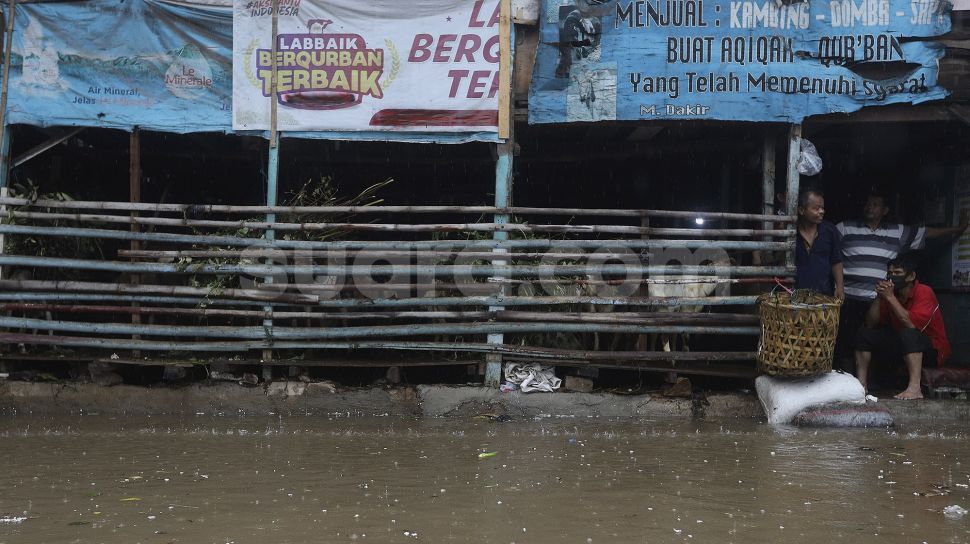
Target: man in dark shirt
x,y
818,249
904,320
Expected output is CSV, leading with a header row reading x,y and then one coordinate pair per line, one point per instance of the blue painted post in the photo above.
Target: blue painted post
x,y
4,172
4,129
272,173
503,172
271,184
503,199
4,160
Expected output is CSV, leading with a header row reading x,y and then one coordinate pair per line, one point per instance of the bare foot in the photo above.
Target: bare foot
x,y
909,394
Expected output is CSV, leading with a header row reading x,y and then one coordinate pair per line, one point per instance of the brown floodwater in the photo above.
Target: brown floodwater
x,y
203,479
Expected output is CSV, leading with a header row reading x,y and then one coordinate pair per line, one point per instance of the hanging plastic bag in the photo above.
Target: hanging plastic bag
x,y
809,161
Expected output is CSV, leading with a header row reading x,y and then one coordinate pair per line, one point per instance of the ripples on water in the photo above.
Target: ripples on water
x,y
551,480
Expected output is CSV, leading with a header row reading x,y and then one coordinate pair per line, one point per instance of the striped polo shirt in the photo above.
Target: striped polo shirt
x,y
867,252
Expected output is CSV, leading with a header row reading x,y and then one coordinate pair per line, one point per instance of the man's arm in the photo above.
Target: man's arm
x,y
901,313
839,280
937,232
836,261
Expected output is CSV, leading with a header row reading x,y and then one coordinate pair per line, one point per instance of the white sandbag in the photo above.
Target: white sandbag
x,y
782,398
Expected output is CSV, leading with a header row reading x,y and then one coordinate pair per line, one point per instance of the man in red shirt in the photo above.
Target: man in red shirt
x,y
904,320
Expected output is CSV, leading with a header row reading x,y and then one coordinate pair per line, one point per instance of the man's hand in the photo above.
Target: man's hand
x,y
840,292
884,289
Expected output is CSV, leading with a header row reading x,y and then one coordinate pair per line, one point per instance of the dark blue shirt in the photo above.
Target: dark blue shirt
x,y
814,267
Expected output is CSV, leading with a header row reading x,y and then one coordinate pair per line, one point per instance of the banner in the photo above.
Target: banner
x,y
428,65
746,60
105,63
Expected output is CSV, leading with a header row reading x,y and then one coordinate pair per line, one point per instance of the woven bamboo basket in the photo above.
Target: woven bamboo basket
x,y
798,333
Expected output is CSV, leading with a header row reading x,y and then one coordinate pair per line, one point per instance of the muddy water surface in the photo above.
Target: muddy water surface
x,y
555,480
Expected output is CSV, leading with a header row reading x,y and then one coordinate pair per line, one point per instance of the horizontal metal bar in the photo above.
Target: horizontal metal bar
x,y
504,315
550,354
260,314
478,210
267,294
233,241
419,270
83,297
405,302
295,333
698,364
394,227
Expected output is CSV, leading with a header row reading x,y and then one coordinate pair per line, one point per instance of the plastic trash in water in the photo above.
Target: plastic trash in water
x,y
872,398
508,387
13,519
954,511
487,454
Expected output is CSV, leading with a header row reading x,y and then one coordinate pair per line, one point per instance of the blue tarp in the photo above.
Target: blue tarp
x,y
147,63
745,60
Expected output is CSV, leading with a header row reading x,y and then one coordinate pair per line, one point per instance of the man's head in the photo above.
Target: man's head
x,y
902,272
811,206
877,207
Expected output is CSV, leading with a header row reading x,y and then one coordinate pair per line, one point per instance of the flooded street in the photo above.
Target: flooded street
x,y
200,479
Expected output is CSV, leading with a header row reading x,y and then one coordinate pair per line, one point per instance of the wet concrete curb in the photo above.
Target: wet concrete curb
x,y
295,398
469,401
286,398
320,399
925,411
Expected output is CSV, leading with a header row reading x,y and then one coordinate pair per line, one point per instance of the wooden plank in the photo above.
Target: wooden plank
x,y
42,147
134,190
505,68
7,49
793,178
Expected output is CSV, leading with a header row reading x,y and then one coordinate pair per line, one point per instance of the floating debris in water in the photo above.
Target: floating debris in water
x,y
954,511
13,519
487,454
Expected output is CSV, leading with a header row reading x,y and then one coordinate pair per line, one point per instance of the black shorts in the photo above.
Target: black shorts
x,y
851,318
886,343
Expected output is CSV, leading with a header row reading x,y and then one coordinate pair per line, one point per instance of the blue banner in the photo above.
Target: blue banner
x,y
145,63
745,60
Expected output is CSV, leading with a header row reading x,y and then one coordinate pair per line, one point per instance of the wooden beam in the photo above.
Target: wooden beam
x,y
793,178
40,148
896,113
134,191
505,69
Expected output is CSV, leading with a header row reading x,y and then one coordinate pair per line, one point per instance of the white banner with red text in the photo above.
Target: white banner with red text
x,y
427,66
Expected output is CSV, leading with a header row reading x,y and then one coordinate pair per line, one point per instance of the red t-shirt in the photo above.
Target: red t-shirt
x,y
924,313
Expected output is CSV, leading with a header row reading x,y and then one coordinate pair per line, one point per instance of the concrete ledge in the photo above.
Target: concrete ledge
x,y
287,398
296,398
438,400
321,399
928,411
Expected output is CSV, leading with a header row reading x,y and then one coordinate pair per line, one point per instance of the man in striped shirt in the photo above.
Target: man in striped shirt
x,y
867,247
